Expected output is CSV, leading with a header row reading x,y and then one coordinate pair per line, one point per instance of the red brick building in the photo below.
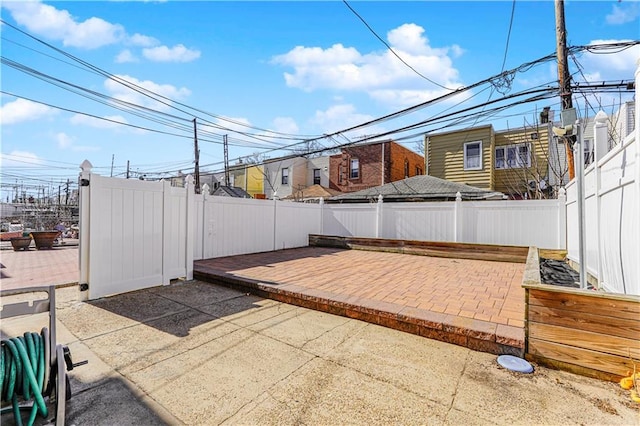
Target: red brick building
x,y
372,164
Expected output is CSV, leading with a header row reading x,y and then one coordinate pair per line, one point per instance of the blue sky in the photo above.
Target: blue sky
x,y
278,72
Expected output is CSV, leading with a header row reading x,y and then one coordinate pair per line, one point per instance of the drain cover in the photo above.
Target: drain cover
x,y
514,363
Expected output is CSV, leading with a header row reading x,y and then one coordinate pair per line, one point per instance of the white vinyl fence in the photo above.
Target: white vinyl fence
x,y
611,211
136,234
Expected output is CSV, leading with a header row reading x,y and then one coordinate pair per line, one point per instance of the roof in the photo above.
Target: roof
x,y
312,192
231,191
419,188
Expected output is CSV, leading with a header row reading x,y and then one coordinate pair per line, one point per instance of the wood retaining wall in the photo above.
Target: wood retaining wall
x,y
588,332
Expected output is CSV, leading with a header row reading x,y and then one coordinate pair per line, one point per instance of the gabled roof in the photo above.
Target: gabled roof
x,y
231,191
419,188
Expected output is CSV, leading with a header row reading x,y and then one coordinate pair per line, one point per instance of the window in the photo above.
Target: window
x,y
341,175
513,156
418,170
316,176
285,176
406,168
473,155
588,152
354,171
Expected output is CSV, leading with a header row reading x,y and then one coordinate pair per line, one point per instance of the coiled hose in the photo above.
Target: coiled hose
x,y
23,367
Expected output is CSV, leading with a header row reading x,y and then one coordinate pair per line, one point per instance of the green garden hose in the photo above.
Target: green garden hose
x,y
22,373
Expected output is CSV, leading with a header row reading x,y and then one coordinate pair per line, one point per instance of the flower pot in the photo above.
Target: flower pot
x,y
20,243
44,239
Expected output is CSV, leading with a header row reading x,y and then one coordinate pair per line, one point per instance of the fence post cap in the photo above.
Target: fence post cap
x,y
458,196
86,166
601,117
562,192
205,188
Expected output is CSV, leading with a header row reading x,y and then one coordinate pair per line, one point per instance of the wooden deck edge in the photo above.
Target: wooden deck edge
x,y
572,368
488,252
467,338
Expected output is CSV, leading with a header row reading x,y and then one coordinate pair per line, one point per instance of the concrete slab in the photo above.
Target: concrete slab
x,y
258,361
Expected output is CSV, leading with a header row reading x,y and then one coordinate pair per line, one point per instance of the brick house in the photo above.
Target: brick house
x,y
372,164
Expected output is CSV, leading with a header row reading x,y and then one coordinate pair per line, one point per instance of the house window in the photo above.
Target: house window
x,y
354,170
418,170
316,176
406,168
285,176
341,175
588,152
513,156
473,155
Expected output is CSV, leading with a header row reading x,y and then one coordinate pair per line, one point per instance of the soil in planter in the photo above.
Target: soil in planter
x,y
556,272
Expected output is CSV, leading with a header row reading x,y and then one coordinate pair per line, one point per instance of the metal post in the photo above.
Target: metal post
x,y
582,254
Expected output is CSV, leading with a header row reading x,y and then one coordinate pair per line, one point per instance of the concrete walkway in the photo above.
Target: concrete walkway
x,y
474,303
198,354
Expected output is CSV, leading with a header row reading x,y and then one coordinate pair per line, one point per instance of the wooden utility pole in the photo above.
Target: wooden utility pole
x,y
226,161
127,169
197,157
564,79
113,157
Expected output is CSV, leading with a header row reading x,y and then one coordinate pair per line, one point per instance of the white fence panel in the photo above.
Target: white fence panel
x,y
175,232
349,220
512,222
237,226
294,223
611,219
198,229
126,242
428,221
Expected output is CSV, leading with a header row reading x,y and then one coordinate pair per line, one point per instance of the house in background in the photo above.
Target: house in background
x,y
418,188
372,164
246,176
514,162
282,176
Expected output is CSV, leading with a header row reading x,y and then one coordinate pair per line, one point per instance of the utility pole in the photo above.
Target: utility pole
x,y
66,193
113,156
564,79
197,156
127,169
226,161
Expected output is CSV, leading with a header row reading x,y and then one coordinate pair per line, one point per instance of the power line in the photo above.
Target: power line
x,y
393,51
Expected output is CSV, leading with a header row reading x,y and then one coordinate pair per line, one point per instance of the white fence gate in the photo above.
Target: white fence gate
x,y
133,234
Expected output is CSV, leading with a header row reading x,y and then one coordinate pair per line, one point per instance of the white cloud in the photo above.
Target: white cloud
x,y
622,14
18,158
344,68
126,56
111,121
611,66
47,21
178,53
143,40
119,91
338,117
285,125
21,110
64,140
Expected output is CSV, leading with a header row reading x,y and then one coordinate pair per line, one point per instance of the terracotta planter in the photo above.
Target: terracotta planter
x,y
44,239
20,243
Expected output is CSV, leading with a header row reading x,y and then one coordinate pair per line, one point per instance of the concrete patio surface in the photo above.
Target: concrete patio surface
x,y
197,353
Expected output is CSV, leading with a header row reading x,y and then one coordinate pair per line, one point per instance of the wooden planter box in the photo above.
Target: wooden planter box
x,y
587,332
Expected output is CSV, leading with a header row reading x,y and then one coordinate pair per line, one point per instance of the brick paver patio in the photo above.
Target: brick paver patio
x,y
474,303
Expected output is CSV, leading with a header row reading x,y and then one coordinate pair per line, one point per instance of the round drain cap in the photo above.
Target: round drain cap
x,y
514,363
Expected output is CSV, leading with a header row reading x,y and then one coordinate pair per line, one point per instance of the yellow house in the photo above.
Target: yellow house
x,y
248,177
514,162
